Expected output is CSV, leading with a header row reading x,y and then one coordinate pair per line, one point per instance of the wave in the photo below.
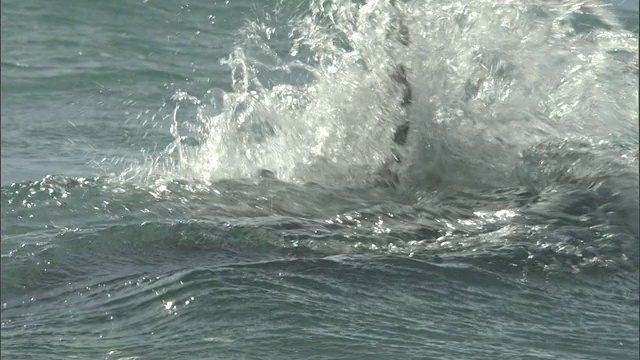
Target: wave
x,y
106,229
313,96
522,153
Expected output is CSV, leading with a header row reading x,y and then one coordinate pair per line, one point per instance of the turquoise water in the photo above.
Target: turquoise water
x,y
135,225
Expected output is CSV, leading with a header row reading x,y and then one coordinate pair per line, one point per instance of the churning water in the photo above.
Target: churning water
x,y
135,222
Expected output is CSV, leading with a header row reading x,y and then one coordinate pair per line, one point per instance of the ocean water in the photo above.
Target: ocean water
x,y
135,224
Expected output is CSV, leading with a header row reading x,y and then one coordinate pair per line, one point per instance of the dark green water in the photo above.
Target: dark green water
x,y
134,225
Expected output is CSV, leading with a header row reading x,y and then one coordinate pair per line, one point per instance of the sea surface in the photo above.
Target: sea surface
x,y
201,179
